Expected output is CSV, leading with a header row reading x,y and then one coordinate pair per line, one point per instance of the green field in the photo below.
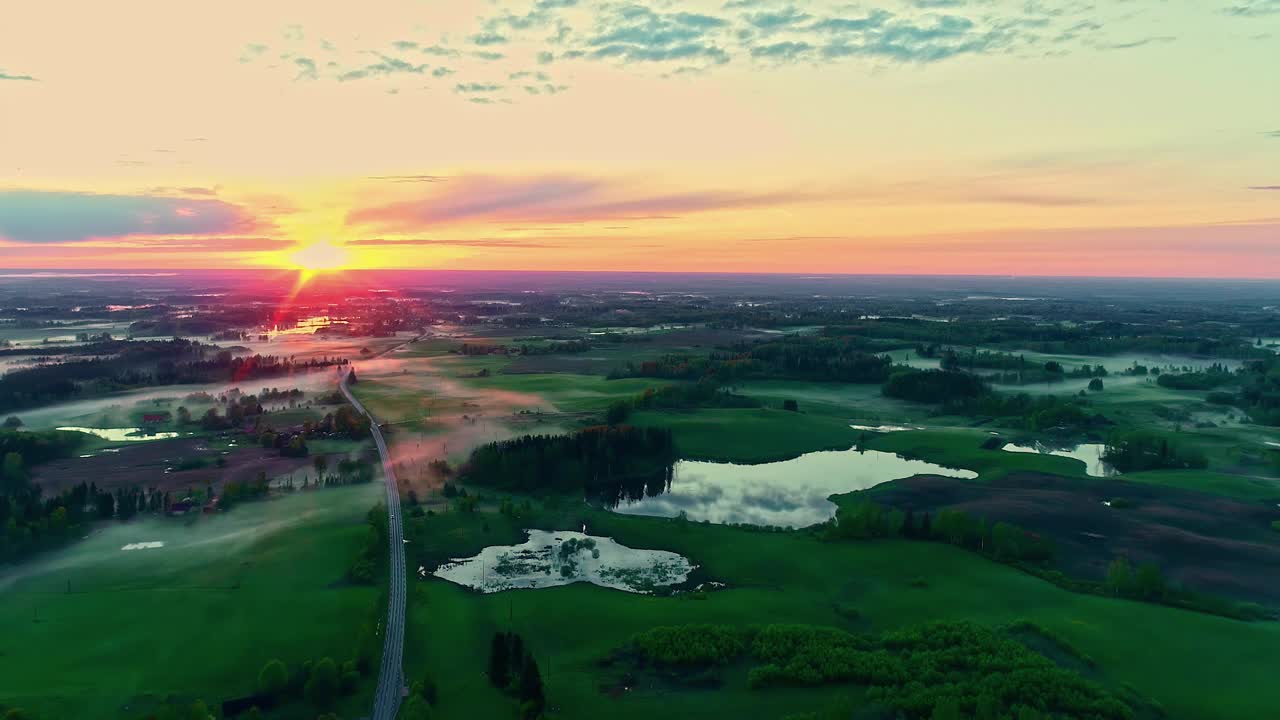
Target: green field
x,y
749,434
1167,655
119,631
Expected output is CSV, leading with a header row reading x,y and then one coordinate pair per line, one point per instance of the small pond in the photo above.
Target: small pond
x,y
1088,453
548,559
123,434
791,493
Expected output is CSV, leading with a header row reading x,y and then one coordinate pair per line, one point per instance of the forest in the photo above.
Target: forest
x,y
610,463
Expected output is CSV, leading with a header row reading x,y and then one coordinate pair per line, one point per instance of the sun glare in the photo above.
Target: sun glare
x,y
320,257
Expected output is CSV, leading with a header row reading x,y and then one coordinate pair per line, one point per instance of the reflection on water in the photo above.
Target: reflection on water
x,y
886,428
122,434
560,558
149,545
791,493
1088,453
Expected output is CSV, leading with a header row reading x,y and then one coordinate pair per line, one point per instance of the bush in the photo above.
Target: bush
x,y
273,678
323,684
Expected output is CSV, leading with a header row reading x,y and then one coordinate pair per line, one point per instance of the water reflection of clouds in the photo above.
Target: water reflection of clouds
x,y
791,493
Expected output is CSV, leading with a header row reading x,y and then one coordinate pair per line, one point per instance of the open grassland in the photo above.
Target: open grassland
x,y
1194,665
94,631
963,449
1234,486
749,435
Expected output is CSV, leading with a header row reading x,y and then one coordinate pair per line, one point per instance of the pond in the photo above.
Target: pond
x,y
549,559
791,493
131,434
1088,453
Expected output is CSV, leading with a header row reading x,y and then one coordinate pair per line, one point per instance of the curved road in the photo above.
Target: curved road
x,y
386,701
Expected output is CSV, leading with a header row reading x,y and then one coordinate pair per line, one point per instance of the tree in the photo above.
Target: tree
x,y
946,709
184,415
321,463
617,412
531,698
1095,385
791,405
415,708
13,422
500,660
273,678
1149,582
322,686
1119,576
13,474
987,708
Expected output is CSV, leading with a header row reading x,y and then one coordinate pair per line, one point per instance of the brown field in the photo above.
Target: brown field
x,y
153,465
1201,542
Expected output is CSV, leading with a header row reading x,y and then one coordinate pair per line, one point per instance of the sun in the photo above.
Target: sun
x,y
320,257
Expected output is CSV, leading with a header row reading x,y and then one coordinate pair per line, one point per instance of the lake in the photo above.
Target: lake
x,y
549,559
127,434
1088,453
790,493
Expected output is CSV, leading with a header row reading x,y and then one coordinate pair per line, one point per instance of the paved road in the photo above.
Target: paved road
x,y
391,675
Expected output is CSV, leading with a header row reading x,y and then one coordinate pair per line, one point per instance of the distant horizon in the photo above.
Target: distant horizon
x,y
35,273
938,137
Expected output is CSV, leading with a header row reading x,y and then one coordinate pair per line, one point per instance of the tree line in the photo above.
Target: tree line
x,y
937,671
611,463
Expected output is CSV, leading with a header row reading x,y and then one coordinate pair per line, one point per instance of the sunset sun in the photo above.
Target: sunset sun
x,y
320,257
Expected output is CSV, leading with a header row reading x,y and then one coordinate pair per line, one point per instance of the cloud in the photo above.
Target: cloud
x,y
1033,199
409,178
488,38
1272,133
385,66
54,217
438,51
306,68
199,191
554,199
776,20
634,33
1137,43
467,242
1264,187
932,39
783,51
8,76
1254,8
476,87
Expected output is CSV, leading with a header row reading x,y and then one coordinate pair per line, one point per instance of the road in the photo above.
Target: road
x,y
386,701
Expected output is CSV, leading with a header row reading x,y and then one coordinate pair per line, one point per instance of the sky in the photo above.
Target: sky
x,y
1025,137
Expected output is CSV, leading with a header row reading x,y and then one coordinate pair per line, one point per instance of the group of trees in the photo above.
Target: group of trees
x,y
796,357
1214,377
372,556
513,669
119,364
950,388
30,522
320,683
705,393
967,394
1012,369
916,673
1145,582
1141,450
609,462
1004,542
